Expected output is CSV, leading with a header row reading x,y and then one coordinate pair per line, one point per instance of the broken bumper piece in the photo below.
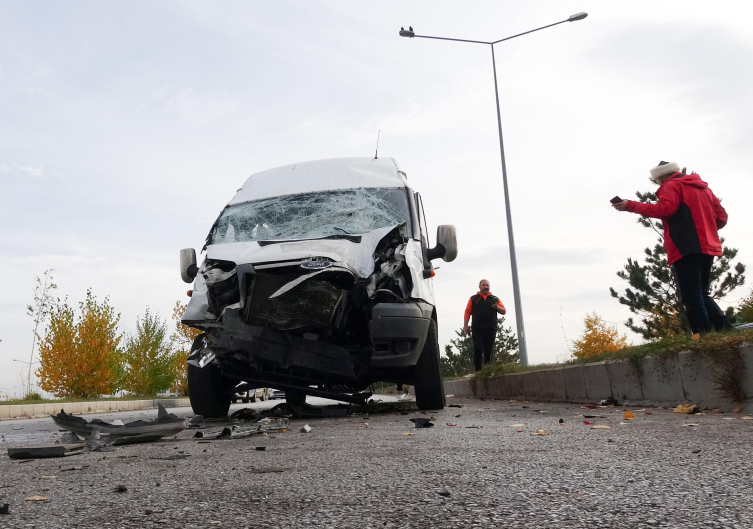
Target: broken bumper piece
x,y
166,424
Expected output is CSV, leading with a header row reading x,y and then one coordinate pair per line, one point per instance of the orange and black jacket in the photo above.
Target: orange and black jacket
x,y
481,309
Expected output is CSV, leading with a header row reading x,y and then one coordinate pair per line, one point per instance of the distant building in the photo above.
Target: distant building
x,y
4,395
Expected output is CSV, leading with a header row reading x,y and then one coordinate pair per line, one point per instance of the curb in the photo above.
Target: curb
x,y
19,411
655,381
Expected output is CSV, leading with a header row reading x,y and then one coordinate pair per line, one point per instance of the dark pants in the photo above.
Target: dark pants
x,y
692,273
483,344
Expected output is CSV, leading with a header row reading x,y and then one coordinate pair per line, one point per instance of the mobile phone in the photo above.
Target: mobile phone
x,y
615,200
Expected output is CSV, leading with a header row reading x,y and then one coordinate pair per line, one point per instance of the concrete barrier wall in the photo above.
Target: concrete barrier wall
x,y
668,380
15,411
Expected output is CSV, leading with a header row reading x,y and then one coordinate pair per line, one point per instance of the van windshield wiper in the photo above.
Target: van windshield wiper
x,y
351,238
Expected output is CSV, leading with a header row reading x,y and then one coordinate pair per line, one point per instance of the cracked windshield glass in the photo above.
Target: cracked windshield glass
x,y
313,215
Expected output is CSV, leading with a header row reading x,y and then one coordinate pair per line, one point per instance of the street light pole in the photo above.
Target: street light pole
x,y
523,349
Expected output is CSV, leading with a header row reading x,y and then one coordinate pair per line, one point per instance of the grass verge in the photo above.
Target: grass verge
x,y
717,343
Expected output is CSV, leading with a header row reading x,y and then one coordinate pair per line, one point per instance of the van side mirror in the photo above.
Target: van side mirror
x,y
447,244
188,268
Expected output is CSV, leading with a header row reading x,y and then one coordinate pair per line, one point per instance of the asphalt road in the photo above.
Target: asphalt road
x,y
653,471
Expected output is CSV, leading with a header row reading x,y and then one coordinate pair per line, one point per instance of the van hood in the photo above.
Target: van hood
x,y
359,256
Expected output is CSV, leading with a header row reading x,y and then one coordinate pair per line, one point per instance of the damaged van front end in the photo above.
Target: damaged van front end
x,y
317,280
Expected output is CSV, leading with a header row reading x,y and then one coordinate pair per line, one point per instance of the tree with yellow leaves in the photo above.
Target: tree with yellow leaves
x,y
80,356
597,337
182,338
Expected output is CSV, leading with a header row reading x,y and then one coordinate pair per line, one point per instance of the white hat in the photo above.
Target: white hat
x,y
662,170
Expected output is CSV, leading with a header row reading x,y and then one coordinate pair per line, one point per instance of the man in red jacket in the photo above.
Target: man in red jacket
x,y
483,307
691,215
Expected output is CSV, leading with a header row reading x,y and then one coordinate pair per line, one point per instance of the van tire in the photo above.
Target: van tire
x,y
427,375
209,391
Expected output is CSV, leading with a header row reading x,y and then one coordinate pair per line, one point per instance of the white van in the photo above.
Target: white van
x,y
317,280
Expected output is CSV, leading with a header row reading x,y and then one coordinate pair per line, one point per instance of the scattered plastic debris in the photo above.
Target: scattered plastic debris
x,y
746,418
406,434
587,423
120,488
696,451
421,422
628,416
5,508
692,424
561,421
261,448
305,428
601,427
454,405
609,401
517,425
196,422
444,493
450,424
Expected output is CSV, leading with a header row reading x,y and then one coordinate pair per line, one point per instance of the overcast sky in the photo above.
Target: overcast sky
x,y
126,127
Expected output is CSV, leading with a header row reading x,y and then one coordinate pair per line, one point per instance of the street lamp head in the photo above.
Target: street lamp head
x,y
577,16
407,32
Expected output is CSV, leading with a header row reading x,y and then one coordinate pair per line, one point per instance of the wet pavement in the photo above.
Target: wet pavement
x,y
660,469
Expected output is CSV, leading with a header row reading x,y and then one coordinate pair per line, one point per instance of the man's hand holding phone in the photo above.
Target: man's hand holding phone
x,y
619,204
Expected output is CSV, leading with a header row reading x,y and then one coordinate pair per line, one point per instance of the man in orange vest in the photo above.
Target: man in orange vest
x,y
483,308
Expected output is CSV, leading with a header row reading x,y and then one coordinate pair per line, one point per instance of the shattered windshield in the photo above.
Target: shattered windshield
x,y
313,215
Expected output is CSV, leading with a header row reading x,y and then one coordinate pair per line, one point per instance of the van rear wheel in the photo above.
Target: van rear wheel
x,y
427,375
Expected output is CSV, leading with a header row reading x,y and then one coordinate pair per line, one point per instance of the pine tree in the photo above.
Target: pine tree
x,y
653,296
459,362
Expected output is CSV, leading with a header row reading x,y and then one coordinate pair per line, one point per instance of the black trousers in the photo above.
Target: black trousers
x,y
692,273
483,346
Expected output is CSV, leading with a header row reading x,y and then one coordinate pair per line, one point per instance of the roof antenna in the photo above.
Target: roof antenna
x,y
377,149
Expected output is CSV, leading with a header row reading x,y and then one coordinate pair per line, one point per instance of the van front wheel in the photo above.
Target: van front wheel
x,y
209,391
427,375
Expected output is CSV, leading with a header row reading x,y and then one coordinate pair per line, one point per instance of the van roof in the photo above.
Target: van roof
x,y
321,175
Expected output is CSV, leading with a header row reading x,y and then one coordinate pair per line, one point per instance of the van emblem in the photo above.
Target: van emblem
x,y
316,265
